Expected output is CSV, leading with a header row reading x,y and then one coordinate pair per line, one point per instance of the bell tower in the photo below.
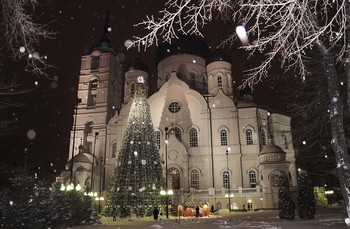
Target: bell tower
x,y
99,98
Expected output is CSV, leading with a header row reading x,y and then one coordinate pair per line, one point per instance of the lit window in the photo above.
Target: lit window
x,y
195,179
193,137
114,150
157,136
219,81
223,137
249,137
252,179
263,137
226,179
174,107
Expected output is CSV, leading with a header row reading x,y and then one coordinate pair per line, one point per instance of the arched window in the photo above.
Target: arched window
x,y
195,179
275,180
263,137
223,137
285,141
114,150
174,178
252,179
226,179
132,89
193,137
157,137
93,84
95,63
178,133
219,81
249,136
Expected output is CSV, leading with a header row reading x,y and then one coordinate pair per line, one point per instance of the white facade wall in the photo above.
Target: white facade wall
x,y
207,113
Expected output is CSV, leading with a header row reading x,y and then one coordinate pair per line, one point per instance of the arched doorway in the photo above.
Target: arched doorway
x,y
173,178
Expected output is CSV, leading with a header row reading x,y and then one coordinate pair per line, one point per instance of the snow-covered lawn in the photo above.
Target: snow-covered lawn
x,y
266,219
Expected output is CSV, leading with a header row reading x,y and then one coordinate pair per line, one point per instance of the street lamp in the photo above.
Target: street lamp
x,y
74,128
166,192
70,187
228,180
93,162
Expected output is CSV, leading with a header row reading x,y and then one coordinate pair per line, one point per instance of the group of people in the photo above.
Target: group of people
x,y
157,213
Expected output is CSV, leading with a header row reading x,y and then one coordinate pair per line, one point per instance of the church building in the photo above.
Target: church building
x,y
215,148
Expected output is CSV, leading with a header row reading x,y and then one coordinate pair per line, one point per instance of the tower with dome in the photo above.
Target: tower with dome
x,y
213,145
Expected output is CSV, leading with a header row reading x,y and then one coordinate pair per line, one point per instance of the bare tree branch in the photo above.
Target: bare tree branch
x,y
22,35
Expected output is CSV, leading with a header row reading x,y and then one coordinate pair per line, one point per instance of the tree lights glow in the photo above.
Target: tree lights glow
x,y
138,174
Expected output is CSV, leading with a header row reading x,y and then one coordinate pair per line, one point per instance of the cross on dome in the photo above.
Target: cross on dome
x,y
140,79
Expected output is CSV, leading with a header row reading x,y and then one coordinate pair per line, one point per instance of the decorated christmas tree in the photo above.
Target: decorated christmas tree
x,y
306,197
138,176
285,202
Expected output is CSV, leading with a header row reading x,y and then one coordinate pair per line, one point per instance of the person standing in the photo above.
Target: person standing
x,y
155,213
197,211
114,214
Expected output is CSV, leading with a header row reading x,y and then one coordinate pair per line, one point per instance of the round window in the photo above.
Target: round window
x,y
174,107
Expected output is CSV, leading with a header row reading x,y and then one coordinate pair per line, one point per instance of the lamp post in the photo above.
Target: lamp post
x,y
93,162
74,128
100,191
228,180
166,171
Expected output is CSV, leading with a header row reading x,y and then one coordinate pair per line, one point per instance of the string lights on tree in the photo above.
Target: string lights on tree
x,y
138,174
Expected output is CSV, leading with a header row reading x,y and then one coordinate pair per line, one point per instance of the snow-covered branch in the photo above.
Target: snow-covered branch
x,y
21,35
285,30
183,16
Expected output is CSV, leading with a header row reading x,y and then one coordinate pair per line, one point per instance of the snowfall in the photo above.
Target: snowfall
x,y
326,217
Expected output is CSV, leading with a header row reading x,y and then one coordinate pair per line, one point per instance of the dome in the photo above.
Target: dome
x,y
246,94
186,44
219,56
137,64
272,154
80,157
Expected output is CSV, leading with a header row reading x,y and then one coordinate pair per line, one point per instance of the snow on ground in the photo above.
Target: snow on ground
x,y
325,218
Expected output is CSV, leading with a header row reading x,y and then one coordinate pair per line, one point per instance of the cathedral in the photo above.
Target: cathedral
x,y
215,148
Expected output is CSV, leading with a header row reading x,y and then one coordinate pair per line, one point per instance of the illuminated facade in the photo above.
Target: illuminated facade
x,y
217,144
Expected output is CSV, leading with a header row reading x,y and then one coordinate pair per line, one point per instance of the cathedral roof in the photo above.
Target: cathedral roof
x,y
80,157
184,45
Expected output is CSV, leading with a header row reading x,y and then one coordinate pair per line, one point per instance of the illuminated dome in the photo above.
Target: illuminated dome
x,y
184,45
272,153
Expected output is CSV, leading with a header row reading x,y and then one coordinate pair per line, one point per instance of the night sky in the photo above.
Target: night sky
x,y
48,109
